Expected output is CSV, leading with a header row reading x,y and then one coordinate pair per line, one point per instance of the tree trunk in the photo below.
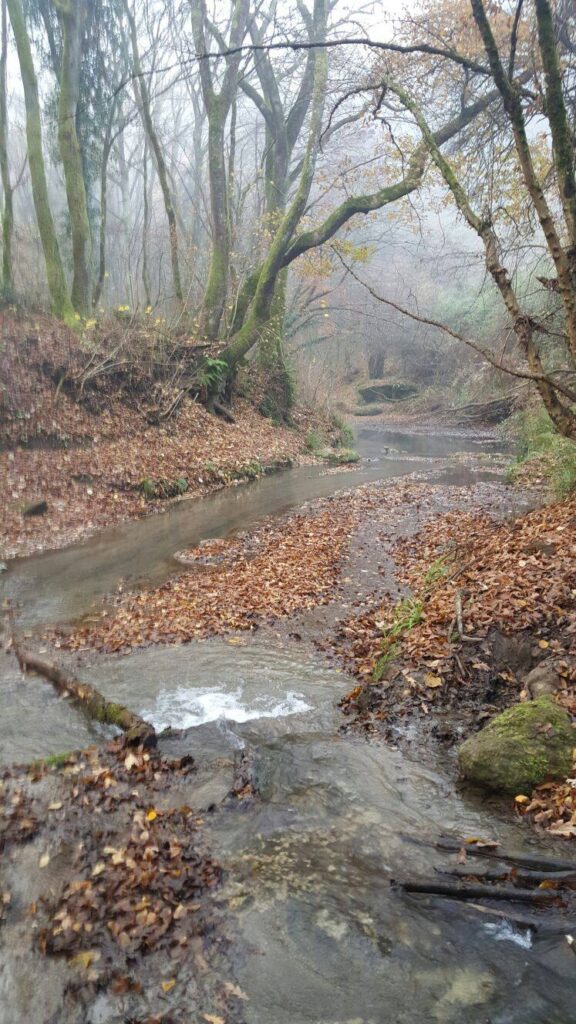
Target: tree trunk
x,y
71,14
8,211
57,286
262,304
145,227
106,151
561,413
217,286
217,106
143,96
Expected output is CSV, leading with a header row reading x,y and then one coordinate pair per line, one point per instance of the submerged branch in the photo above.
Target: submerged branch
x,y
137,731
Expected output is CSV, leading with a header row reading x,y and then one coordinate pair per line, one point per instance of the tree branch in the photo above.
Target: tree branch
x,y
430,322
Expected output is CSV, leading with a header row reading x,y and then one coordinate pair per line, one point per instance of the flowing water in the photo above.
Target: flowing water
x,y
61,585
318,935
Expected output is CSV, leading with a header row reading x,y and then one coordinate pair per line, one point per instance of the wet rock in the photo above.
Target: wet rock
x,y
542,680
388,391
512,653
524,746
38,508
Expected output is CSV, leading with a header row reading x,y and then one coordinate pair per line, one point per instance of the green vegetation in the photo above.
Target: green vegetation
x,y
163,489
345,437
211,374
339,456
313,441
52,761
251,470
436,571
557,454
406,615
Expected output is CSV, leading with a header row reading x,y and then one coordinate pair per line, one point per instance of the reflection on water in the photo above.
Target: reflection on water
x,y
373,439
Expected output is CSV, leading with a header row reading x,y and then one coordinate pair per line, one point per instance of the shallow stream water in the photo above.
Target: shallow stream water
x,y
60,585
318,935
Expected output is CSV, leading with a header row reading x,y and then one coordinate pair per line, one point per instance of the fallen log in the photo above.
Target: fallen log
x,y
137,731
222,411
460,891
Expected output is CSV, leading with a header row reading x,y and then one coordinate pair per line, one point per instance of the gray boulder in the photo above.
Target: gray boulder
x,y
542,680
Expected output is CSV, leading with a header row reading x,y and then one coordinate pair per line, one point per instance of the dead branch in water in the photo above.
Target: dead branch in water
x,y
137,731
461,891
535,862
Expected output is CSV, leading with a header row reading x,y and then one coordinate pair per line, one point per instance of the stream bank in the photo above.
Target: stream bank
x,y
306,823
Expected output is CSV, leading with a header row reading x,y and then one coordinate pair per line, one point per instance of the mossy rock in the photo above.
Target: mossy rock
x,y
524,746
387,391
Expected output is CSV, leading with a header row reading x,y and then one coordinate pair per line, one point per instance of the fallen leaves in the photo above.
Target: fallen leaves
x,y
18,821
478,582
142,893
432,681
483,582
87,454
277,570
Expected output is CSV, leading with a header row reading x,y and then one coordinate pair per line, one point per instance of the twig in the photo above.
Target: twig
x,y
458,607
524,859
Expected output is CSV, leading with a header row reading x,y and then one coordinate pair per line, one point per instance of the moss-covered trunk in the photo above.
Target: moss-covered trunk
x,y
262,305
8,210
217,105
72,14
137,731
217,286
57,286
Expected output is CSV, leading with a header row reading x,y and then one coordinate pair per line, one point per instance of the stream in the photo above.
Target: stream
x,y
317,934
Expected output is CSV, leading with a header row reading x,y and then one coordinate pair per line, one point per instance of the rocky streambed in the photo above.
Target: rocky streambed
x,y
244,873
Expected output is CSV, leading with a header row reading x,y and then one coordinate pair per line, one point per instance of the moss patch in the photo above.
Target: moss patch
x,y
339,456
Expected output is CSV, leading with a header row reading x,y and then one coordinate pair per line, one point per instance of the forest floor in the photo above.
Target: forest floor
x,y
75,459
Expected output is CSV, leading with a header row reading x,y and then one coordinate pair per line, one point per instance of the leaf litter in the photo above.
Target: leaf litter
x,y
131,876
481,584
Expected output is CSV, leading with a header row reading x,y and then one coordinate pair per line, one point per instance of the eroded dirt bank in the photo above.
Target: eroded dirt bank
x,y
82,448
